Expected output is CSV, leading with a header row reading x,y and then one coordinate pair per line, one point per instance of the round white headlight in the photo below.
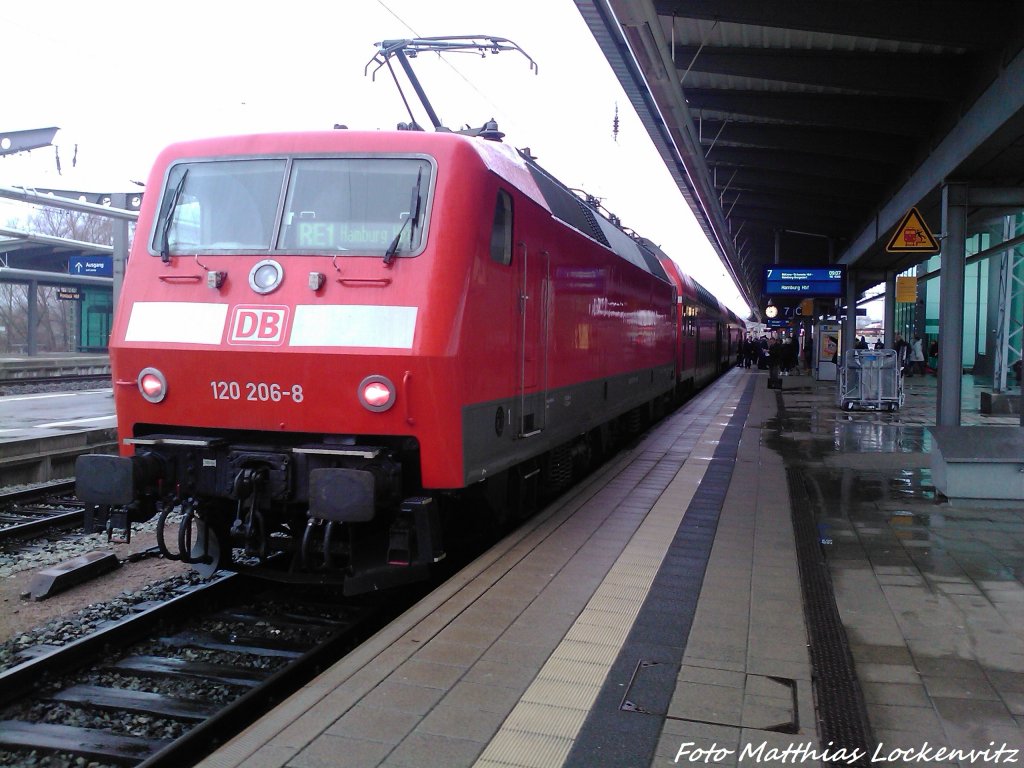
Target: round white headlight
x,y
265,276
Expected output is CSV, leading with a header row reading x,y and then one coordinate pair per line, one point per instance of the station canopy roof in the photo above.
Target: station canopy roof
x,y
25,250
811,127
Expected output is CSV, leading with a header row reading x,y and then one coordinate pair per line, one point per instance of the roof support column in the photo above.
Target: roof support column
x,y
951,304
850,326
1004,297
889,310
120,243
32,299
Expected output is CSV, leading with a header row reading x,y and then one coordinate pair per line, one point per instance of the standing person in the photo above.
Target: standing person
x,y
792,360
862,343
917,356
901,346
933,355
774,363
762,353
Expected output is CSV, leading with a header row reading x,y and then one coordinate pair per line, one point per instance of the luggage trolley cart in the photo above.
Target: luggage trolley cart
x,y
870,380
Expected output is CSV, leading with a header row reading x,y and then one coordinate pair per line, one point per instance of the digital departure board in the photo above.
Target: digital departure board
x,y
804,281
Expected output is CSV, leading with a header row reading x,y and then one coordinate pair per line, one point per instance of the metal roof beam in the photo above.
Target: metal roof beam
x,y
1001,104
774,198
816,186
841,182
8,275
800,201
22,141
633,43
934,77
18,237
903,117
56,201
949,23
820,166
798,218
996,197
843,143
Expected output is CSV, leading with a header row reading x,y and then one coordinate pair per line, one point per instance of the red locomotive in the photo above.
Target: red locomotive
x,y
324,337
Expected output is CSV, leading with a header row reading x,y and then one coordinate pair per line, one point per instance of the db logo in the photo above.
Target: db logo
x,y
258,325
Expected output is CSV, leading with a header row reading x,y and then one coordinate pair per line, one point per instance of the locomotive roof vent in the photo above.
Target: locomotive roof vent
x,y
490,131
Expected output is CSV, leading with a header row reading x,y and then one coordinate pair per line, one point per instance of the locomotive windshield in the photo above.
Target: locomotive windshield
x,y
349,205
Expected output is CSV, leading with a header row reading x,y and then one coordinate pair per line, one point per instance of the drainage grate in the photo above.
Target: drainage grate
x,y
842,714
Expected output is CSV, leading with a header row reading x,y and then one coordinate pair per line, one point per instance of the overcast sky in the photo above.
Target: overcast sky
x,y
124,79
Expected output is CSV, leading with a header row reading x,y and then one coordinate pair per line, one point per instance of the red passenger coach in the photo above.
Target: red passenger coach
x,y
709,334
323,339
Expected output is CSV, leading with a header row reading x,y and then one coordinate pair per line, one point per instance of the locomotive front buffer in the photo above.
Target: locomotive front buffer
x,y
317,513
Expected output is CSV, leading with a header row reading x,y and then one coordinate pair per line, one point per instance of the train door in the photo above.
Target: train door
x,y
533,339
688,343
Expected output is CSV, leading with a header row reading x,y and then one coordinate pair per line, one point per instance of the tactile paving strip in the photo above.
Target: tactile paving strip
x,y
534,735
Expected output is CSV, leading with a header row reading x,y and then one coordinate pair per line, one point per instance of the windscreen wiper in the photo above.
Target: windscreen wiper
x,y
413,217
165,246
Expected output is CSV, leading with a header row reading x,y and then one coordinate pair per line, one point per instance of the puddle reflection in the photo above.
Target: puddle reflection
x,y
873,497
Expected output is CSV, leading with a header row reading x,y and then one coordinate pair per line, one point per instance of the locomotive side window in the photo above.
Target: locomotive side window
x,y
218,206
362,206
501,231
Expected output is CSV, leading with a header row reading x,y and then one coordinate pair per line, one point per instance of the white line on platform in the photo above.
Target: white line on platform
x,y
73,422
43,395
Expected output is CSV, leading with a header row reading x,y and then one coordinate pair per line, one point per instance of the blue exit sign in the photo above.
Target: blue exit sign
x,y
93,266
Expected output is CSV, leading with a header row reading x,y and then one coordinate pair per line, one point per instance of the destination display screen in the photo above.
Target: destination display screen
x,y
804,281
344,235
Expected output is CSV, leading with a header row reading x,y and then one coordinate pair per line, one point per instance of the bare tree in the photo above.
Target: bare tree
x,y
13,314
72,225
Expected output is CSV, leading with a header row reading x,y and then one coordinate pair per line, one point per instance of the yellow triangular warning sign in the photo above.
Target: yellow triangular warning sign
x,y
912,236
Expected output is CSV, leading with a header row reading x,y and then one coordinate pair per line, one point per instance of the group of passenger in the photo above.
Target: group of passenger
x,y
862,343
782,354
910,355
769,353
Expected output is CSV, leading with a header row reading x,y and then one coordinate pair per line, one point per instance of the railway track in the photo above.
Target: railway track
x,y
62,380
30,512
187,674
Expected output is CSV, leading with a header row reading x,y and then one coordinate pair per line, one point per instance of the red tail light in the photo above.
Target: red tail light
x,y
376,393
152,384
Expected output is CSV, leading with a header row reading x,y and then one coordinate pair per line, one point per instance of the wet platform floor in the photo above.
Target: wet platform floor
x,y
930,593
501,667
